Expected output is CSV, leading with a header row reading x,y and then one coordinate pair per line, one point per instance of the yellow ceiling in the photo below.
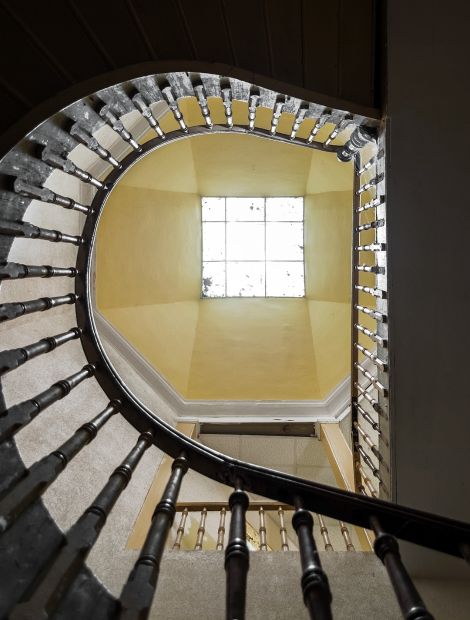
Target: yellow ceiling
x,y
149,262
239,164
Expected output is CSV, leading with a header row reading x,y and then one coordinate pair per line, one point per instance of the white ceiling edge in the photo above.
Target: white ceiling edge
x,y
330,410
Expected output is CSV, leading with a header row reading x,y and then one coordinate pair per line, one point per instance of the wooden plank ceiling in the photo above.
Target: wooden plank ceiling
x,y
327,47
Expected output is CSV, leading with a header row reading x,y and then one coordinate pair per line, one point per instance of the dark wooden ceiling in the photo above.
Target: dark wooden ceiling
x,y
48,47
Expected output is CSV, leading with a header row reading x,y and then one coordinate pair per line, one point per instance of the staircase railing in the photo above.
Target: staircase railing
x,y
43,572
257,530
370,391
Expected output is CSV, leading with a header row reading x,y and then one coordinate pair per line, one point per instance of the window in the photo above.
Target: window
x,y
252,247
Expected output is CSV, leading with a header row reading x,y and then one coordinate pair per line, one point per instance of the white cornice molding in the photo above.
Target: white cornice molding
x,y
332,409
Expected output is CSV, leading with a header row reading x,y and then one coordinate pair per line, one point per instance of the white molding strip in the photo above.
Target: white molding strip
x,y
332,409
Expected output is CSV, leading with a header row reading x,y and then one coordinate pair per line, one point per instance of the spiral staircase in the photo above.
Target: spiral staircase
x,y
69,417
44,569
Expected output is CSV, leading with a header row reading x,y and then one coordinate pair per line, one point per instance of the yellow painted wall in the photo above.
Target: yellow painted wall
x,y
170,170
148,248
328,235
326,174
164,334
149,262
253,349
330,324
241,165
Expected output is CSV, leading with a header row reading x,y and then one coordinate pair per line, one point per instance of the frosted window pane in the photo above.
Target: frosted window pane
x,y
285,280
213,209
245,209
245,241
284,241
252,247
213,279
245,279
284,209
213,241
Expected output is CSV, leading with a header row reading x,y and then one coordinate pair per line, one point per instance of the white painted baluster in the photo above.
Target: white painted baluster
x,y
180,530
283,531
201,530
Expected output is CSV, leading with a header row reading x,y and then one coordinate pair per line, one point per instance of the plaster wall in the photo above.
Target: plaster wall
x,y
245,165
428,266
148,248
249,349
330,325
429,269
327,232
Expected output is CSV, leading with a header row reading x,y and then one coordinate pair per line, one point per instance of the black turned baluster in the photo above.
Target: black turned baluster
x,y
368,418
137,595
227,101
315,586
80,134
19,228
300,116
117,125
17,271
43,473
370,269
13,358
359,138
253,102
203,105
387,550
368,461
147,113
44,194
237,559
174,107
326,117
18,416
338,128
17,308
59,575
66,165
370,225
370,183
